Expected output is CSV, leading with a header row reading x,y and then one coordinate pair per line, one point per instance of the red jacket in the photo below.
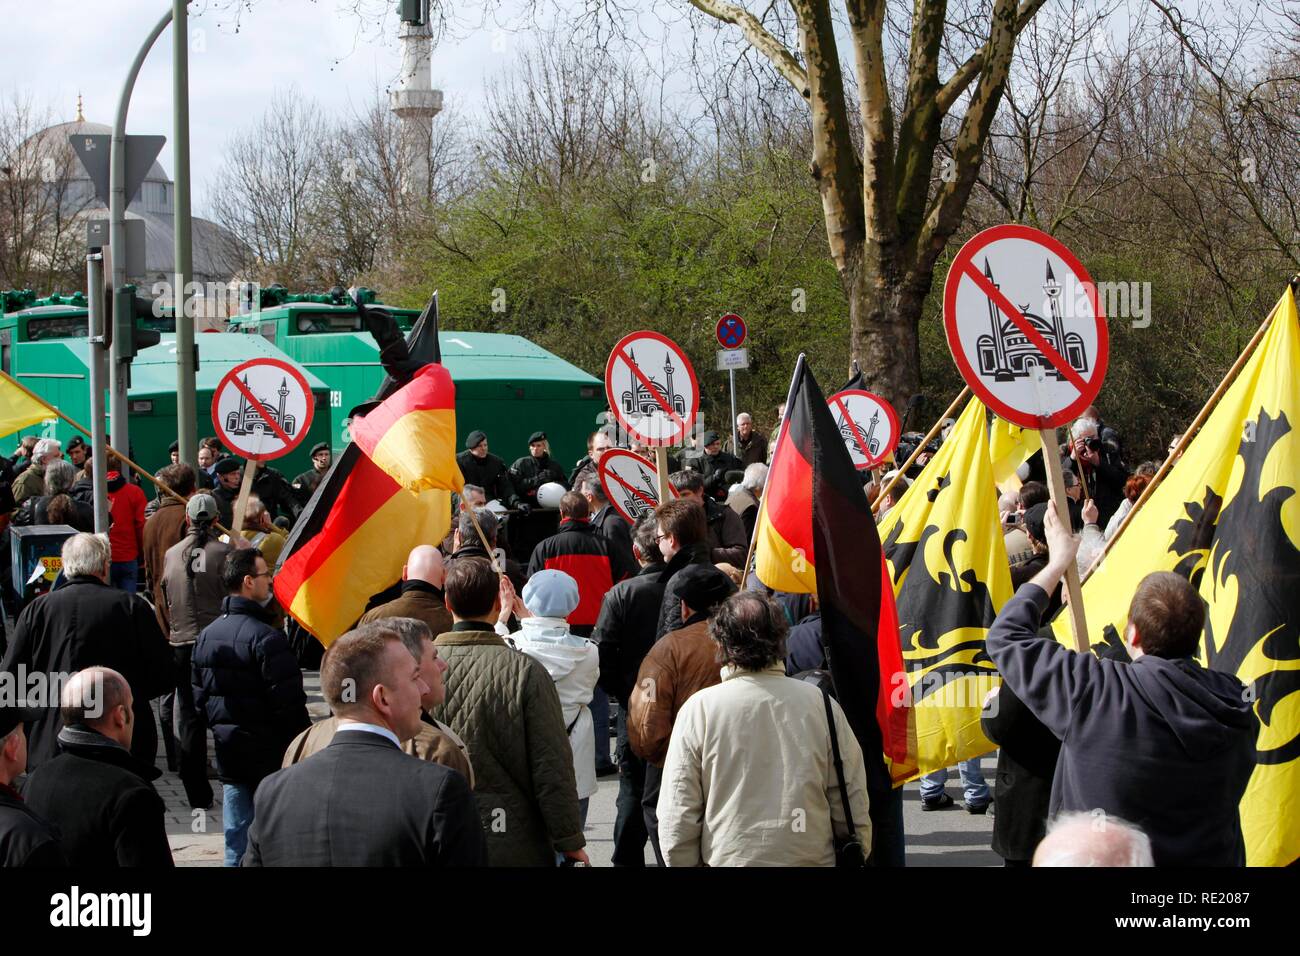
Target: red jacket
x,y
583,554
126,533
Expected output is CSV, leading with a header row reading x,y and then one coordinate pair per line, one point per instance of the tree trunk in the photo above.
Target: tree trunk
x,y
885,303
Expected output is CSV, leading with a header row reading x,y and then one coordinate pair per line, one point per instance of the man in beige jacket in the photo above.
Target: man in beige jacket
x,y
750,778
436,742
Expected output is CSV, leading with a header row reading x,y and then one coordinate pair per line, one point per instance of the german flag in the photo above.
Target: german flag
x,y
412,435
354,535
816,535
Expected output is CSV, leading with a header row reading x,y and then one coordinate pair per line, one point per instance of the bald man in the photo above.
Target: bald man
x,y
99,797
421,596
1093,839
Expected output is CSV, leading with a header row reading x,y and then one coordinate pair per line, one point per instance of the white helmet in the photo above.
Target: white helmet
x,y
497,508
549,495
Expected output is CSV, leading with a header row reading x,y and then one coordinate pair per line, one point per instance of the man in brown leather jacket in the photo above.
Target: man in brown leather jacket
x,y
683,661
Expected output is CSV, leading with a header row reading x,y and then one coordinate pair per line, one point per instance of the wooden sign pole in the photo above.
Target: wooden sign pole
x,y
245,489
1073,589
661,466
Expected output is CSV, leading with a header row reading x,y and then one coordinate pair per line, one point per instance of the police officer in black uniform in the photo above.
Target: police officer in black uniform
x,y
535,469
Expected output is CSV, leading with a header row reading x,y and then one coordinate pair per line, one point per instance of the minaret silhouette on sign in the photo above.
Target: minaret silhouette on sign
x,y
642,401
1006,353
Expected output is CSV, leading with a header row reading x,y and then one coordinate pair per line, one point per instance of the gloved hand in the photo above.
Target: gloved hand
x,y
524,508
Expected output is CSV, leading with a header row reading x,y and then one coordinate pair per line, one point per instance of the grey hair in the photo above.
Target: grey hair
x,y
1093,839
590,485
45,446
465,492
744,417
59,476
86,554
755,476
411,631
486,520
1082,425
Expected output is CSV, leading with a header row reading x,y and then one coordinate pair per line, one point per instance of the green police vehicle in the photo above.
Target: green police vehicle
x,y
43,345
505,385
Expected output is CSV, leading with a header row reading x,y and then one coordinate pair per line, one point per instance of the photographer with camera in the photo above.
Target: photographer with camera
x,y
1089,459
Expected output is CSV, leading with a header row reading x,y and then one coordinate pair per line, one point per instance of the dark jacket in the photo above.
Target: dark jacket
x,y
625,630
362,802
803,646
727,541
36,511
613,527
1164,744
715,469
226,498
247,683
504,705
276,493
670,608
304,486
25,838
491,474
87,623
102,802
1105,484
578,551
1027,755
419,600
528,474
751,451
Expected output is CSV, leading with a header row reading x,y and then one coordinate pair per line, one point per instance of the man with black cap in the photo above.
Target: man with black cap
x,y
79,452
25,838
488,472
683,661
717,464
536,468
305,484
174,450
228,476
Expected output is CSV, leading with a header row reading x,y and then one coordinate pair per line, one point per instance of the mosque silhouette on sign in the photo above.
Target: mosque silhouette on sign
x,y
1007,354
641,401
873,443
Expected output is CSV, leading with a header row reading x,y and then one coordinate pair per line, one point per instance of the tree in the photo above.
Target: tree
x,y
887,220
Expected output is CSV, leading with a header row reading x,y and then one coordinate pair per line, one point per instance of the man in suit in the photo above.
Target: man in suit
x,y
361,801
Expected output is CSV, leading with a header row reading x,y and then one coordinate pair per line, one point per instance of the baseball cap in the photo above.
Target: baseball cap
x,y
201,508
11,715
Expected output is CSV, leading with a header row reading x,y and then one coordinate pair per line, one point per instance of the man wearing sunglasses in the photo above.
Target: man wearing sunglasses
x,y
1092,462
248,685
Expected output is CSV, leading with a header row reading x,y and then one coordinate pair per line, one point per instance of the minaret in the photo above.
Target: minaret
x,y
1052,288
1001,373
669,396
283,392
416,103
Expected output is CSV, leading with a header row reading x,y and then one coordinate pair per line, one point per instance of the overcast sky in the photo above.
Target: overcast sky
x,y
57,48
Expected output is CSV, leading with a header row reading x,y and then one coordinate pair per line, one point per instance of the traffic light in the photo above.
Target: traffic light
x,y
128,311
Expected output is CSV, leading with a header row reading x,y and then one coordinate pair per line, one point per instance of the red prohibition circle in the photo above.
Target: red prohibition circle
x,y
619,353
728,319
957,272
608,479
871,462
291,443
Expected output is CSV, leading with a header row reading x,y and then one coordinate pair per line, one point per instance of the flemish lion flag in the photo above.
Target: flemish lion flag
x,y
354,535
18,409
1227,517
1010,446
815,535
951,577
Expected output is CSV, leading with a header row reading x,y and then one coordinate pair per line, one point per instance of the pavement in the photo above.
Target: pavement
x,y
949,837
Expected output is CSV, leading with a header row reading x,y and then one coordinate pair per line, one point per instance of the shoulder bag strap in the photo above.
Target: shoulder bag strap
x,y
839,765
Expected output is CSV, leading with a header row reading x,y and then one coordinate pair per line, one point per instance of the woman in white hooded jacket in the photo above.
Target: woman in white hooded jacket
x,y
573,663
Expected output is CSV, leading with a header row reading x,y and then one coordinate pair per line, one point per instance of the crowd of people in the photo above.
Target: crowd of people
x,y
498,676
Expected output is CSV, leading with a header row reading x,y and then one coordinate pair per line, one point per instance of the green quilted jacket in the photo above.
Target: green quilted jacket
x,y
504,706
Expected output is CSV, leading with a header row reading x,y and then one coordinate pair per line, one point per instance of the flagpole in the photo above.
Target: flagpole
x,y
121,457
492,555
1189,434
916,452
